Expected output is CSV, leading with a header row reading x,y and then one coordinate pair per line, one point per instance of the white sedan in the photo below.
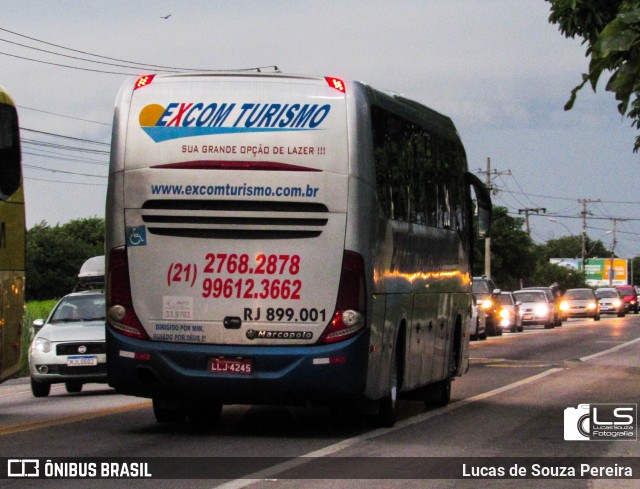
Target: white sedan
x,y
70,346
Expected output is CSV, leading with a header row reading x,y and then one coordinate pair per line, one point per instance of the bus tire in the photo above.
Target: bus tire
x,y
40,389
387,410
205,417
438,394
165,414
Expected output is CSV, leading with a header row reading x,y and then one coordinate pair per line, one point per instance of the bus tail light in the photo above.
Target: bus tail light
x,y
350,314
120,313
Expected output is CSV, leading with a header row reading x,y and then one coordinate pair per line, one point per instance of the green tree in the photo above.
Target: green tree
x,y
635,264
571,247
55,254
547,273
611,31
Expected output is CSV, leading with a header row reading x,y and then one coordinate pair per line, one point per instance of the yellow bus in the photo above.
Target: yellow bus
x,y
12,239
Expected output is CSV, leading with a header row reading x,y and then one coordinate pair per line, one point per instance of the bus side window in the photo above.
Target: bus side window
x,y
9,152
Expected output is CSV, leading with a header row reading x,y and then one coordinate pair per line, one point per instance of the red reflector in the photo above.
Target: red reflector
x,y
333,360
139,355
143,81
336,83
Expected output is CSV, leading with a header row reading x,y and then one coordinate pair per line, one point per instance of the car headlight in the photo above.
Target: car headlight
x,y
542,309
591,306
42,344
504,314
564,306
487,304
617,303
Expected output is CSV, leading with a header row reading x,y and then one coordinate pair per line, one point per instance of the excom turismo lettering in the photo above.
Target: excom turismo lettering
x,y
236,190
254,115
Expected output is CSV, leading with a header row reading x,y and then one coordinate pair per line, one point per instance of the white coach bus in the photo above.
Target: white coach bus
x,y
285,239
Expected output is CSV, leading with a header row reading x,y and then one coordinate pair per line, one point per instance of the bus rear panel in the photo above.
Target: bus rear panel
x,y
228,211
281,239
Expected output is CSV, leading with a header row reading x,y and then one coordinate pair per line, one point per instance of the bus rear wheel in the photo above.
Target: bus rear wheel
x,y
438,394
205,417
387,411
168,414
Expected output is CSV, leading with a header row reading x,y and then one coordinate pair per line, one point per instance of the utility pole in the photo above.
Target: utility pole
x,y
487,240
613,249
584,214
526,212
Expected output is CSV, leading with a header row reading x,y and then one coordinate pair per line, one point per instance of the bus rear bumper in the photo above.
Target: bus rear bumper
x,y
279,374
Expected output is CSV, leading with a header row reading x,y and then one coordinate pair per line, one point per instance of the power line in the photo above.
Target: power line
x,y
65,181
52,170
75,57
65,137
62,115
68,66
141,65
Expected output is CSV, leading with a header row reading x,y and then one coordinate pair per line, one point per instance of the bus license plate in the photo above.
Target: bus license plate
x,y
240,366
84,361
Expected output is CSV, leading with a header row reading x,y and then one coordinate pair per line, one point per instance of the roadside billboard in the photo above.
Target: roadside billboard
x,y
598,271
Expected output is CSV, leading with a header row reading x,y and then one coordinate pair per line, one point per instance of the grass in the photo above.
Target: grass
x,y
34,310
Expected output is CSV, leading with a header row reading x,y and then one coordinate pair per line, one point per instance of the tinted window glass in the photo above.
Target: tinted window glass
x,y
9,151
419,174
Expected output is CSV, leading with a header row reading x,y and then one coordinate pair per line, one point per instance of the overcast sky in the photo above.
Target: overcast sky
x,y
496,67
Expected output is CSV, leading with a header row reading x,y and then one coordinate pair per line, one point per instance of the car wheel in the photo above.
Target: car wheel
x,y
490,329
476,335
548,324
596,317
73,386
40,389
621,314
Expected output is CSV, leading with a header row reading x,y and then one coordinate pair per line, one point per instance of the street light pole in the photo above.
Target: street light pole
x,y
552,219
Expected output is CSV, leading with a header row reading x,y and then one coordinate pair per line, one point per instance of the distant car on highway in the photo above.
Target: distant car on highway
x,y
610,301
554,295
580,303
629,296
486,294
70,346
536,307
509,312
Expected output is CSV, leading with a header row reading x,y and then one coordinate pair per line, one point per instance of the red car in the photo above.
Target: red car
x,y
628,294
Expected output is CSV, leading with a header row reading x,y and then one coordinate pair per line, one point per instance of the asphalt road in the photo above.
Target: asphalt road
x,y
510,404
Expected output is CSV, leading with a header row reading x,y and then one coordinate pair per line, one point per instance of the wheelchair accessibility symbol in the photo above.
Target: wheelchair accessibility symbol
x,y
136,235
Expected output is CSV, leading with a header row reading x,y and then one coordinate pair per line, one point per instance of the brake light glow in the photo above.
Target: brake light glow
x,y
120,313
143,81
336,83
350,314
